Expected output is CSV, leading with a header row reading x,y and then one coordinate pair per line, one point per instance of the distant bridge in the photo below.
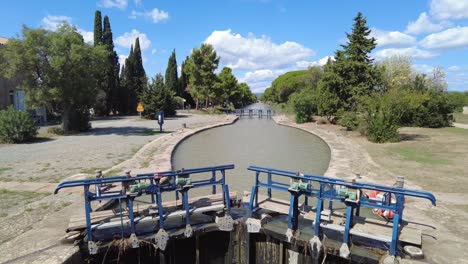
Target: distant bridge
x,y
255,112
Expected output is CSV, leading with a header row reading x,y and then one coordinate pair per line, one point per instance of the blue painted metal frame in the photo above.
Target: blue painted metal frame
x,y
154,189
326,190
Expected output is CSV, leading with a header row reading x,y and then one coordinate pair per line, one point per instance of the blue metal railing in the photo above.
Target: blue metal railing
x,y
154,188
325,188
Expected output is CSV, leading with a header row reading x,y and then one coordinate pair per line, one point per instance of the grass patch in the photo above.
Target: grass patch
x,y
460,118
418,155
4,169
115,172
91,170
9,199
456,130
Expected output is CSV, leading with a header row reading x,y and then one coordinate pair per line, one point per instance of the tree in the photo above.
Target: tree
x,y
352,74
172,81
135,77
157,97
97,28
225,87
183,83
200,69
112,70
59,71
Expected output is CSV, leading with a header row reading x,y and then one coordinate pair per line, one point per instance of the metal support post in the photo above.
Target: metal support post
x,y
393,245
269,183
213,179
227,199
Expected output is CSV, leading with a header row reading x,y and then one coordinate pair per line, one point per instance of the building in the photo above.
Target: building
x,y
11,95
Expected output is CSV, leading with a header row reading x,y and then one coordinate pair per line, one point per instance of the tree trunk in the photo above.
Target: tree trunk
x,y
66,119
196,103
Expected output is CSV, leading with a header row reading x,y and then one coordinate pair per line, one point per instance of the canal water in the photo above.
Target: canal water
x,y
253,141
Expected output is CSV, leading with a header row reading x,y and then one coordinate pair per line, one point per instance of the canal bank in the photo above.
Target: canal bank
x,y
350,159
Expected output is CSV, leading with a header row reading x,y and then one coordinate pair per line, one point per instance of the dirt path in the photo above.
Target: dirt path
x,y
32,231
460,125
445,233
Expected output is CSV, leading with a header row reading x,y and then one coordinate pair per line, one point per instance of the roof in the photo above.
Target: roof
x,y
3,41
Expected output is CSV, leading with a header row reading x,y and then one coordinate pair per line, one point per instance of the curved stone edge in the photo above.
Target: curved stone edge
x,y
338,159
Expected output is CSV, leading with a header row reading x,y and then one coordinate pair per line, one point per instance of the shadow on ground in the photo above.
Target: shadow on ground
x,y
123,131
413,137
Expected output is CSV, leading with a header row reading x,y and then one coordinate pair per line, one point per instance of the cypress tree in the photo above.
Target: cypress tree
x,y
183,83
112,71
97,28
132,95
171,75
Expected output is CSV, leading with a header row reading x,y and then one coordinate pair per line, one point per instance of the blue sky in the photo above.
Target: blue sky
x,y
261,39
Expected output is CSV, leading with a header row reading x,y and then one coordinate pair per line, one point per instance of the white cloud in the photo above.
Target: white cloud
x,y
423,68
153,51
52,22
424,25
454,68
155,15
451,38
307,64
128,39
122,59
394,38
121,4
412,52
88,36
449,9
238,52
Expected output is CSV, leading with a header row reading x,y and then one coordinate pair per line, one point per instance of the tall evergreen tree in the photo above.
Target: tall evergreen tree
x,y
138,75
183,85
97,28
123,92
132,95
172,82
112,71
352,74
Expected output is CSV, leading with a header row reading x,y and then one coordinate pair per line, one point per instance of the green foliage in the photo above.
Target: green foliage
x,y
172,81
457,100
183,82
350,120
200,69
225,89
434,112
328,102
97,28
59,70
291,82
304,105
157,97
16,126
382,114
133,80
352,74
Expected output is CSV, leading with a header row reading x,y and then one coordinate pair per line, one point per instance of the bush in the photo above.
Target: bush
x,y
350,120
435,112
304,106
382,116
16,126
79,120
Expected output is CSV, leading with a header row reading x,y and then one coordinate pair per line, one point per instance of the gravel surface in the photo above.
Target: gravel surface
x,y
107,144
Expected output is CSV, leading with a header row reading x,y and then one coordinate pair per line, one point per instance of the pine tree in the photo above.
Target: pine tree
x,y
97,28
352,74
157,97
172,82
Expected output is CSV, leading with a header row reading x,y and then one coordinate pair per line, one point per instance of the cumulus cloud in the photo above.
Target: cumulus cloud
x,y
424,25
128,39
395,38
155,15
307,64
121,4
449,9
412,52
52,22
122,59
423,68
451,38
252,53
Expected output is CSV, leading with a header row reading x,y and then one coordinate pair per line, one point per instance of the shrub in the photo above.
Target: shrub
x,y
350,120
382,116
434,112
79,120
16,126
304,106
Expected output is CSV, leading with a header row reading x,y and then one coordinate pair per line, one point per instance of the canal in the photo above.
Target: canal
x,y
253,141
